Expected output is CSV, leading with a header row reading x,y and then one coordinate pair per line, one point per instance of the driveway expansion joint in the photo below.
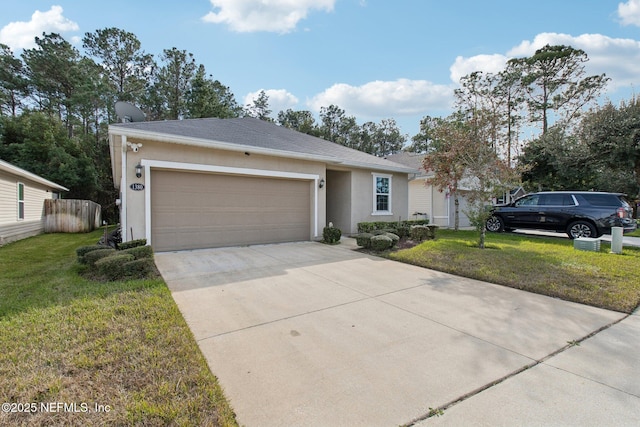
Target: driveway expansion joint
x,y
441,409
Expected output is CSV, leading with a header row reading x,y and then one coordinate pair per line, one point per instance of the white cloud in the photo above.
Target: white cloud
x,y
21,34
629,12
278,16
279,99
383,99
486,63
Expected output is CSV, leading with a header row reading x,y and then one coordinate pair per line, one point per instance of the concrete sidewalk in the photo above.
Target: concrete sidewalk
x,y
309,334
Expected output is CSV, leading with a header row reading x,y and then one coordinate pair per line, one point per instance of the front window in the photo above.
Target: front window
x,y
20,201
381,194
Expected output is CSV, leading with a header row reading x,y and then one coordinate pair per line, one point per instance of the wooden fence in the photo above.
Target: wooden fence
x,y
71,216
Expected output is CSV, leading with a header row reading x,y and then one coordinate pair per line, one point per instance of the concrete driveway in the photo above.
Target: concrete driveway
x,y
305,334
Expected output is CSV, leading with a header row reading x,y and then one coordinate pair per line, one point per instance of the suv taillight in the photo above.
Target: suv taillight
x,y
621,212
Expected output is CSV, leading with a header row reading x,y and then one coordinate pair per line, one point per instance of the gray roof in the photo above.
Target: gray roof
x,y
254,135
412,160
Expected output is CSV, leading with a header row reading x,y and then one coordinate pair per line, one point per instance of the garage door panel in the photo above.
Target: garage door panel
x,y
197,210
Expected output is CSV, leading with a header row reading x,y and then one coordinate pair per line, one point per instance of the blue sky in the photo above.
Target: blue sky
x,y
375,59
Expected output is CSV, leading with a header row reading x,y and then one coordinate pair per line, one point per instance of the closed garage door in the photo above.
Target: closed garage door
x,y
198,210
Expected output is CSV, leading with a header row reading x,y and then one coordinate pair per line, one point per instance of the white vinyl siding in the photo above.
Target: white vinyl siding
x,y
7,199
34,195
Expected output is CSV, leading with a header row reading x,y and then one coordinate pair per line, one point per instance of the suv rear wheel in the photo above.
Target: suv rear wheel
x,y
581,229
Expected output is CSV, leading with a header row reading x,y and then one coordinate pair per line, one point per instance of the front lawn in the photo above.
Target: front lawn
x,y
544,265
79,352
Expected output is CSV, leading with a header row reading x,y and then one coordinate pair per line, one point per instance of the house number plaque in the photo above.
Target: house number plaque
x,y
137,186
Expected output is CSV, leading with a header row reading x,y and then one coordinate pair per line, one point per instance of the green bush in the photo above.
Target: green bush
x,y
331,235
110,267
138,269
92,257
422,232
368,227
83,250
132,244
140,252
394,238
419,232
381,242
364,240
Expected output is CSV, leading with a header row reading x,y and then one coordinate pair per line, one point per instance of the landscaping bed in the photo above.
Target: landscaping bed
x,y
77,351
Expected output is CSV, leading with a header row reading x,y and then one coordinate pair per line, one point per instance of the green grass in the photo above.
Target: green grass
x,y
549,266
64,338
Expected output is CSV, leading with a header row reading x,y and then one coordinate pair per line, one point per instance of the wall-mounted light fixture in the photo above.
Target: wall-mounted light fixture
x,y
138,170
321,183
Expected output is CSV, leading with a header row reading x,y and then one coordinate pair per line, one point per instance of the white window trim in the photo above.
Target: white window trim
x,y
20,202
374,210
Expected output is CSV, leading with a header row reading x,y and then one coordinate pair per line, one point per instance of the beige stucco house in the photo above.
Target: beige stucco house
x,y
22,196
201,183
425,200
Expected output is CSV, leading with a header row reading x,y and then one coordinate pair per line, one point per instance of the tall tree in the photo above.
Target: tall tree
x,y
210,98
387,138
174,81
554,81
39,143
613,137
423,141
301,121
337,127
497,97
126,65
259,108
13,82
56,74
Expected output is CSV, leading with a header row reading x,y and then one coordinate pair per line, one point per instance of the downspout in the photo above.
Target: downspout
x,y
123,190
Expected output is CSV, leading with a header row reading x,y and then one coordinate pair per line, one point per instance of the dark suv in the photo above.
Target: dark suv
x,y
577,213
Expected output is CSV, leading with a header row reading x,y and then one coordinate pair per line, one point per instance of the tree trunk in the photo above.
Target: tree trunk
x,y
456,202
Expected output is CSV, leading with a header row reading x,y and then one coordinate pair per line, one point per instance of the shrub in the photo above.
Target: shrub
x,y
92,257
132,244
394,238
331,234
381,242
138,269
419,232
110,267
368,227
83,250
402,231
364,239
139,252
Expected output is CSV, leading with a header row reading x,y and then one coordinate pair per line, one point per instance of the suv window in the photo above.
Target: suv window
x,y
601,199
556,200
531,200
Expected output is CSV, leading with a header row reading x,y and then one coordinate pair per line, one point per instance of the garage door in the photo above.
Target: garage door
x,y
198,210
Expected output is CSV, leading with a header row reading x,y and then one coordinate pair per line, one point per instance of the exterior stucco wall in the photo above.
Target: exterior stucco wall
x,y
362,191
339,199
135,202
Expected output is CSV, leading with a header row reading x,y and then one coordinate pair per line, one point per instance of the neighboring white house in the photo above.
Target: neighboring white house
x,y
22,196
426,201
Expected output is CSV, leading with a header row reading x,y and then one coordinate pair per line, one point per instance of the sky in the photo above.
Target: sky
x,y
375,59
